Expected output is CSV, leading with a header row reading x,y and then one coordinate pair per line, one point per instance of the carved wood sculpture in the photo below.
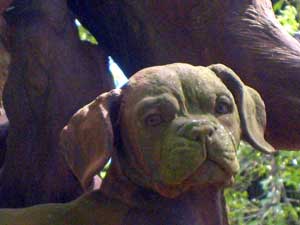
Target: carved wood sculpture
x,y
172,133
241,34
52,74
244,35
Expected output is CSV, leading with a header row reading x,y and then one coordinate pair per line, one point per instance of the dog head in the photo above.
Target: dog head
x,y
170,128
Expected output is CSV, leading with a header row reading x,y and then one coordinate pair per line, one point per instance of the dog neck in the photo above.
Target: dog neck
x,y
205,205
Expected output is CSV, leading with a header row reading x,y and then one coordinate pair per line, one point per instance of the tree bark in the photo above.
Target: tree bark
x,y
52,74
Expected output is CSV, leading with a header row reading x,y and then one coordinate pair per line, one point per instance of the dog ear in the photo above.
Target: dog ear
x,y
87,141
250,106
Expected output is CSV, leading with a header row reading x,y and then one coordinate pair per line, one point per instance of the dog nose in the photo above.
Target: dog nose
x,y
199,134
198,130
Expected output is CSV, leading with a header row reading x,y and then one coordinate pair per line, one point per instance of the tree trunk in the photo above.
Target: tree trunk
x,y
52,75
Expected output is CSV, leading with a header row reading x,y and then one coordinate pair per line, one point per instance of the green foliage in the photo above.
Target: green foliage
x,y
84,34
287,18
105,169
267,189
287,13
277,6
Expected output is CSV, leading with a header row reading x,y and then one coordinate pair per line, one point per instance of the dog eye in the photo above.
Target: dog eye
x,y
224,105
153,120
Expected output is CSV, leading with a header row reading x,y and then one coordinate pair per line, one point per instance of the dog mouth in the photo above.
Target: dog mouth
x,y
207,165
210,172
188,158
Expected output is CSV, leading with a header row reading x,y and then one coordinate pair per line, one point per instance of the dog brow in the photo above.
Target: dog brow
x,y
154,101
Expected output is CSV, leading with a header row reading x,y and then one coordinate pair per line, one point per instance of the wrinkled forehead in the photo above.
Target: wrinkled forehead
x,y
185,82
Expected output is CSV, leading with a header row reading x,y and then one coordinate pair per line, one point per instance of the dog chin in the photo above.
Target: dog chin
x,y
213,173
169,191
174,192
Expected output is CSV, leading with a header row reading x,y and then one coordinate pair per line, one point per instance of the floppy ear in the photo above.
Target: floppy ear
x,y
87,140
250,106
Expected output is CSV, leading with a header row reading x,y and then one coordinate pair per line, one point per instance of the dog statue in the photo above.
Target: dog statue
x,y
172,134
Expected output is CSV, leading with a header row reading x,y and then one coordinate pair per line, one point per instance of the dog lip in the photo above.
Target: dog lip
x,y
226,169
228,155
